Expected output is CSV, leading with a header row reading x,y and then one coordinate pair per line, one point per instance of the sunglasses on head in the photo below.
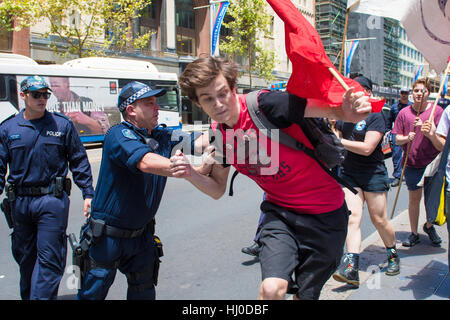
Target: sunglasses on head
x,y
38,95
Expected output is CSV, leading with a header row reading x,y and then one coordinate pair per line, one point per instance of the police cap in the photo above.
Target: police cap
x,y
135,90
33,83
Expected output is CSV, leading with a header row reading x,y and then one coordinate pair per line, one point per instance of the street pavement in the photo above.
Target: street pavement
x,y
424,269
212,243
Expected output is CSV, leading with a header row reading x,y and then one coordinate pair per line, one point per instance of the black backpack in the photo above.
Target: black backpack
x,y
328,151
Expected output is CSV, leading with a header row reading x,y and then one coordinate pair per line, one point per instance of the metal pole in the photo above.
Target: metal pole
x,y
210,3
343,40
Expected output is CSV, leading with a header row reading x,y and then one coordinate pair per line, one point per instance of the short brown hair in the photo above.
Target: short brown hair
x,y
425,83
201,72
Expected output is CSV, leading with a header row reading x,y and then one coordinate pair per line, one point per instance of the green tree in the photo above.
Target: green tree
x,y
250,22
79,27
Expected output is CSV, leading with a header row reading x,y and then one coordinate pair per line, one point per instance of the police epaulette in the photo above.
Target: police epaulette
x,y
112,127
10,117
62,115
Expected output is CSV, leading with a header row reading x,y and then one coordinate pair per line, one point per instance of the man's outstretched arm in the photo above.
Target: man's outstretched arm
x,y
213,184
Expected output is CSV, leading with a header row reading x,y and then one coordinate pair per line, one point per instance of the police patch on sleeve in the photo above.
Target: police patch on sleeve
x,y
127,133
14,137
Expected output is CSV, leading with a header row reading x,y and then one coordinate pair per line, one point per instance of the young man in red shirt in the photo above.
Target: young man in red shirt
x,y
306,216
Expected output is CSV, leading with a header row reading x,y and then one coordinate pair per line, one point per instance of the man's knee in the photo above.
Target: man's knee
x,y
273,289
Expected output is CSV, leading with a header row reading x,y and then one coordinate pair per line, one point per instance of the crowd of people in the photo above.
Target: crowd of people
x,y
302,232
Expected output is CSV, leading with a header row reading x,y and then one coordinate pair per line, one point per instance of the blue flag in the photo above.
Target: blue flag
x,y
218,11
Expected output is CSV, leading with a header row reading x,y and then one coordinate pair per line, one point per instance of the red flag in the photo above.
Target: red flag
x,y
310,76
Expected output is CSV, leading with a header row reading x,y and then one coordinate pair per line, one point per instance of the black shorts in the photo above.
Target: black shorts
x,y
367,181
413,177
311,245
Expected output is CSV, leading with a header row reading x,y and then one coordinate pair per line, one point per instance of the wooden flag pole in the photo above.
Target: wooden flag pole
x,y
401,179
440,90
338,78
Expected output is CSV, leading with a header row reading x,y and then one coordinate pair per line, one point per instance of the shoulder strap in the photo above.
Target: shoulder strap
x,y
262,122
152,143
230,192
62,116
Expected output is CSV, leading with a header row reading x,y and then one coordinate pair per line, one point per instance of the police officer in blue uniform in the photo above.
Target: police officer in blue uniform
x,y
39,147
133,173
397,152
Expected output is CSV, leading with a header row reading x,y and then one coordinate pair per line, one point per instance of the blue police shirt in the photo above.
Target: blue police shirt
x,y
40,150
393,113
126,197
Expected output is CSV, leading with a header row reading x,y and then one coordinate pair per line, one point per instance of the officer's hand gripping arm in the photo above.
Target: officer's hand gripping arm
x,y
214,184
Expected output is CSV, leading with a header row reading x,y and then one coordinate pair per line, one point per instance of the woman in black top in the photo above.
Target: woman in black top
x,y
364,170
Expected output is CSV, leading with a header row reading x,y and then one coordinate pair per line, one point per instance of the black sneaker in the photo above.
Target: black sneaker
x,y
432,234
349,271
413,239
393,267
292,287
252,250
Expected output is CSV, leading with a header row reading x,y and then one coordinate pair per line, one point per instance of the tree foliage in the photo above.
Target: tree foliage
x,y
249,23
79,27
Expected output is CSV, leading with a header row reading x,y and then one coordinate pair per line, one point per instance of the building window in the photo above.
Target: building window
x,y
185,24
185,19
185,16
149,22
5,39
152,44
185,45
149,11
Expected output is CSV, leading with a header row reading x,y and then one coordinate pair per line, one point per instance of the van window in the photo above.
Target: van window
x,y
13,97
2,88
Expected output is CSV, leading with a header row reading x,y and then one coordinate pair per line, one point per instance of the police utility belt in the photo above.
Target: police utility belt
x,y
56,188
99,228
92,231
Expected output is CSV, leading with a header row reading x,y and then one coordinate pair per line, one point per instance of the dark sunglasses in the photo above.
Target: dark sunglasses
x,y
38,95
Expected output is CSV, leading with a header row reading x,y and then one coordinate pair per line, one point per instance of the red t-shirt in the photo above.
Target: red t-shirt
x,y
290,178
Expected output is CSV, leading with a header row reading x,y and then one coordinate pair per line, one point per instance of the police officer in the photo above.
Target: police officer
x,y
397,152
39,146
133,173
